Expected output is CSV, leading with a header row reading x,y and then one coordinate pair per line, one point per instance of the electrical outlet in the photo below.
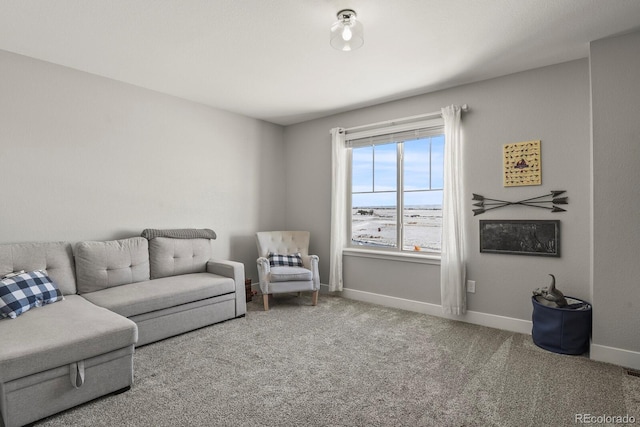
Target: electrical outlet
x,y
471,286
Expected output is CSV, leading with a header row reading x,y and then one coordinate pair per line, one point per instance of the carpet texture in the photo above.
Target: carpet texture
x,y
348,363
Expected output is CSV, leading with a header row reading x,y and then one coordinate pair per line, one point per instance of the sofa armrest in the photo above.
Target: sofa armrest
x,y
234,270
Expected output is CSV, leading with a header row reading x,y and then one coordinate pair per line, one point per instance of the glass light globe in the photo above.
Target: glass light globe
x,y
347,31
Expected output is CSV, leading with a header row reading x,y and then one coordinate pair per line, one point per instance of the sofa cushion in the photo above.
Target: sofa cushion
x,y
172,257
291,260
102,265
59,334
53,257
20,292
288,274
158,294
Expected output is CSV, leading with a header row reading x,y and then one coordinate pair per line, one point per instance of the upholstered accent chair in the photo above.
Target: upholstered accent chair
x,y
284,264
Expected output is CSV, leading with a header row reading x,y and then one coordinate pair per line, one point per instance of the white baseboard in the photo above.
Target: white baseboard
x,y
475,317
617,356
600,353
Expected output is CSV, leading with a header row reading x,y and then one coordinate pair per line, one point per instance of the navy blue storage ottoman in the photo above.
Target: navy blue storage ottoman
x,y
562,330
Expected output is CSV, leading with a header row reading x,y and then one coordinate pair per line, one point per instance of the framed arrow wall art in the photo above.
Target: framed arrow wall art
x,y
484,204
522,164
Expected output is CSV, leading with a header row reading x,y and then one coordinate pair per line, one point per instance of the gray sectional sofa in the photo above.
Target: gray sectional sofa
x,y
117,295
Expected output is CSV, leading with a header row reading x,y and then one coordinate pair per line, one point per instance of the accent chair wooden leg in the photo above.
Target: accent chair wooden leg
x,y
314,298
265,301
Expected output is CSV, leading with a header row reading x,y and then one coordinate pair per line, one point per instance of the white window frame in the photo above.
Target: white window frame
x,y
378,134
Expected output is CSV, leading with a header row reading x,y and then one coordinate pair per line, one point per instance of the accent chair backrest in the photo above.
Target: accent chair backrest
x,y
283,242
54,257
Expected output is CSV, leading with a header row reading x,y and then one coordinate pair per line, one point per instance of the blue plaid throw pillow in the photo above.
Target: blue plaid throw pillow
x,y
23,291
293,260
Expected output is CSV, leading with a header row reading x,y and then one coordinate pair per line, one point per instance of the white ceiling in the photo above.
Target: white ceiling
x,y
271,59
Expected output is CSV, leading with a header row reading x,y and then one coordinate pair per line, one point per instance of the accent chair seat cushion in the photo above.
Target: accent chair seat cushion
x,y
288,274
158,294
58,334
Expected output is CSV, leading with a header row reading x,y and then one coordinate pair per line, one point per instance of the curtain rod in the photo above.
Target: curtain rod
x,y
433,115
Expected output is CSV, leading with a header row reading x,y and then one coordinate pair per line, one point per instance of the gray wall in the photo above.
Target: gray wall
x,y
88,158
616,191
550,104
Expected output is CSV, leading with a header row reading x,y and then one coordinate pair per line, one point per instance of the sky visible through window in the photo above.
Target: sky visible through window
x,y
374,176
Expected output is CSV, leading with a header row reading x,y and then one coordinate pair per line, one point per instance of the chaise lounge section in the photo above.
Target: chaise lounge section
x,y
59,355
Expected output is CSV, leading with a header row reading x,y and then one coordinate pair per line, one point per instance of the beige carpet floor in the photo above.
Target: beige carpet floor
x,y
348,363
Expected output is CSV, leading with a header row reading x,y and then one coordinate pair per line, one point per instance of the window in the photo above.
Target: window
x,y
397,173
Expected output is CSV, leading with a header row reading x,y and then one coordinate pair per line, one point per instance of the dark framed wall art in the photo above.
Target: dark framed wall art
x,y
520,237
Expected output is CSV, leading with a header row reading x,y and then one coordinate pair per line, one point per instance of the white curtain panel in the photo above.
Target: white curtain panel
x,y
453,257
338,207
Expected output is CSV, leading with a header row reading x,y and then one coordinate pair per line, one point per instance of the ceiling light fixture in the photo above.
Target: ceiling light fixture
x,y
346,32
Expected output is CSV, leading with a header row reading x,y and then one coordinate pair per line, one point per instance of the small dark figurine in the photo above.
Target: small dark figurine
x,y
550,293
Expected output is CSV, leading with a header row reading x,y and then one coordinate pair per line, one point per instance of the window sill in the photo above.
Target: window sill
x,y
393,256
